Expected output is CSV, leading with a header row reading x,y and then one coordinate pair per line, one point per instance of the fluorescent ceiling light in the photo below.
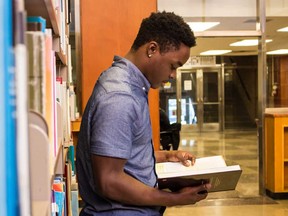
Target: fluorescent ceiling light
x,y
283,29
201,26
215,52
249,42
278,52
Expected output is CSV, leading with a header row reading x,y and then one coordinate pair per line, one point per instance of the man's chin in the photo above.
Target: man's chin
x,y
162,84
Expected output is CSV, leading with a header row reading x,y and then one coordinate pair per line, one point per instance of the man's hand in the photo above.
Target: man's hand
x,y
192,195
184,157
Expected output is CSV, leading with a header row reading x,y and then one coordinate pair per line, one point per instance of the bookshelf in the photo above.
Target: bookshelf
x,y
51,11
47,10
50,84
276,152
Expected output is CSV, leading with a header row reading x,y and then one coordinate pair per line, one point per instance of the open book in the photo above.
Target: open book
x,y
174,175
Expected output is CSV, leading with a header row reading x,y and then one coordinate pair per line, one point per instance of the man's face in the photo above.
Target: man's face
x,y
163,65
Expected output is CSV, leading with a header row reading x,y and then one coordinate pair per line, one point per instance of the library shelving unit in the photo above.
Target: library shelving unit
x,y
52,175
276,152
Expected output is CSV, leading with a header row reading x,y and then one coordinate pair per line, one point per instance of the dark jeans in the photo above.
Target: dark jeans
x,y
119,213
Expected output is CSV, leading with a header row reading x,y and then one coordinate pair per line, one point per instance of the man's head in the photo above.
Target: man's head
x,y
162,45
167,29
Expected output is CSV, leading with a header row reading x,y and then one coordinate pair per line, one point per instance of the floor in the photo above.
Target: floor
x,y
237,147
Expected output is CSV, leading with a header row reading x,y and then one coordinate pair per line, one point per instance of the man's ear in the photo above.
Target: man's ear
x,y
152,48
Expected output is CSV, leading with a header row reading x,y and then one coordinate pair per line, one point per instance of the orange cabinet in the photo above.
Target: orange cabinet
x,y
276,152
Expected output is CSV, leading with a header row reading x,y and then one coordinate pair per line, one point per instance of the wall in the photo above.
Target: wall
x,y
108,28
283,81
277,81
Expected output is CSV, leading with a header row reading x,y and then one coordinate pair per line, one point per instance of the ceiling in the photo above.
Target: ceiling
x,y
229,24
236,18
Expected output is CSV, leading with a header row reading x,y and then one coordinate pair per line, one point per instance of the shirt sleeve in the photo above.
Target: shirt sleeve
x,y
112,125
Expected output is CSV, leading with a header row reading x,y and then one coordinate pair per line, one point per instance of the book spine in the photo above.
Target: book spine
x,y
11,186
22,108
36,52
54,90
50,96
3,208
71,154
62,28
75,203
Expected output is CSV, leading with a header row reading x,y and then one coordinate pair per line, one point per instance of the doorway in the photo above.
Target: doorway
x,y
252,26
195,99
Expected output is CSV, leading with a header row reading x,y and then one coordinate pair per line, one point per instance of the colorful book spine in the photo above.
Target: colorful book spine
x,y
71,159
50,99
9,110
54,86
58,189
3,208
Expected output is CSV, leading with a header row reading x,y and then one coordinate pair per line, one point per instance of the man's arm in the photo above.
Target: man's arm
x,y
112,182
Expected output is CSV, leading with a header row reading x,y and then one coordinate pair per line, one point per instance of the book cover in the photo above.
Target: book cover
x,y
174,175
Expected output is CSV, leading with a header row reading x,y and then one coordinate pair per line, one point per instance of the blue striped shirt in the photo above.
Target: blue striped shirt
x,y
116,123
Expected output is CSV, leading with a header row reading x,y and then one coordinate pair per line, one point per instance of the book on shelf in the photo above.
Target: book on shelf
x,y
9,196
40,175
36,62
36,23
50,100
59,197
213,169
2,111
21,79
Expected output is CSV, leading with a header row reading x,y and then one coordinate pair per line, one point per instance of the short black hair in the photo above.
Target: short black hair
x,y
167,29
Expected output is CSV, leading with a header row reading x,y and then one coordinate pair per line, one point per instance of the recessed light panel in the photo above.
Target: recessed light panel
x,y
201,26
215,52
283,29
248,42
278,52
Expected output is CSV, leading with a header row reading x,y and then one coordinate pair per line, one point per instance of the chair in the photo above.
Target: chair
x,y
169,133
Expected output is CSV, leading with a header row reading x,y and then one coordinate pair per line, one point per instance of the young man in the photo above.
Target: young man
x,y
115,155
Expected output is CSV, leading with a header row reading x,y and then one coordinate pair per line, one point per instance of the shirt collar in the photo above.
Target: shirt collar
x,y
135,74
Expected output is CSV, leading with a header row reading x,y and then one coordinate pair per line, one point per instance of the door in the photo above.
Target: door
x,y
200,98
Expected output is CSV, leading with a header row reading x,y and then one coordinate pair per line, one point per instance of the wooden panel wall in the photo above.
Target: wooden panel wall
x,y
283,85
108,28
